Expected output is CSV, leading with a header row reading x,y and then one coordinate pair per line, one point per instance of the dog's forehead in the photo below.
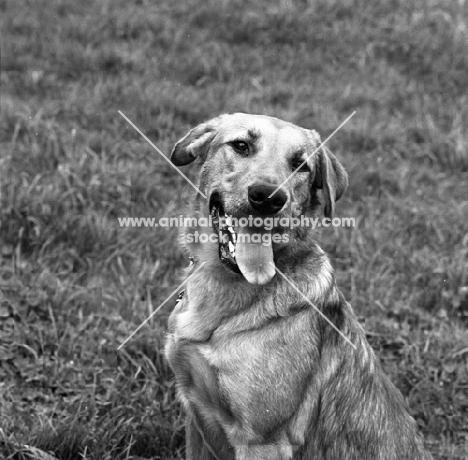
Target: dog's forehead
x,y
266,129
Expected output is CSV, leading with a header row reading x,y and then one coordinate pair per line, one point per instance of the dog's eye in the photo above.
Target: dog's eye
x,y
298,163
240,146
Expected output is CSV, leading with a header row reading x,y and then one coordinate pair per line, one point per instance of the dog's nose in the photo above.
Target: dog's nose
x,y
259,198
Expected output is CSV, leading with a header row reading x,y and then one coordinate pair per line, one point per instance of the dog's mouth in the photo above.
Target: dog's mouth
x,y
227,236
242,249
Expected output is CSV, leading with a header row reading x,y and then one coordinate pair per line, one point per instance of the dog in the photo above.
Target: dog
x,y
269,359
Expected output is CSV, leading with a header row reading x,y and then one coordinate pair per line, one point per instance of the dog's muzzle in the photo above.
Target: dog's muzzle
x,y
245,249
223,227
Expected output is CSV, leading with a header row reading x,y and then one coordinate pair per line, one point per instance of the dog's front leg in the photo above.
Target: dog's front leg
x,y
280,451
196,447
206,444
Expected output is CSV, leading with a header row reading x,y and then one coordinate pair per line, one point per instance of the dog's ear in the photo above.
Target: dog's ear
x,y
330,176
195,144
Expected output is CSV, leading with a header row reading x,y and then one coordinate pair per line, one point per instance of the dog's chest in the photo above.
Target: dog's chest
x,y
244,380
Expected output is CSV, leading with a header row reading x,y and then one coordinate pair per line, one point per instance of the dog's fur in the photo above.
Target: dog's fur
x,y
262,375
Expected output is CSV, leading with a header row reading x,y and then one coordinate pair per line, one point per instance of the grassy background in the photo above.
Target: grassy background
x,y
73,284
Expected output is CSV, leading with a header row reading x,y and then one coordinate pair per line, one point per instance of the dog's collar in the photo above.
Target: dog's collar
x,y
180,296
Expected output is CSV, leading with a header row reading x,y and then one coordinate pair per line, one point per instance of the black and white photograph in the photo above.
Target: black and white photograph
x,y
233,230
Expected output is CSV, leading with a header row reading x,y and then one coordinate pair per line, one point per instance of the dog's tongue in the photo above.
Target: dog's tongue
x,y
255,260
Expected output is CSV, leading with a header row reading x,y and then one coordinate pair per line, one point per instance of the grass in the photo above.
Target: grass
x,y
74,285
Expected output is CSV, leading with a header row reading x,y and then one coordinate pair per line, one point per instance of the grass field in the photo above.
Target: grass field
x,y
74,285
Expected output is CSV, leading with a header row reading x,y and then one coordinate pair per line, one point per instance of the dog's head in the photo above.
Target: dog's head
x,y
257,171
